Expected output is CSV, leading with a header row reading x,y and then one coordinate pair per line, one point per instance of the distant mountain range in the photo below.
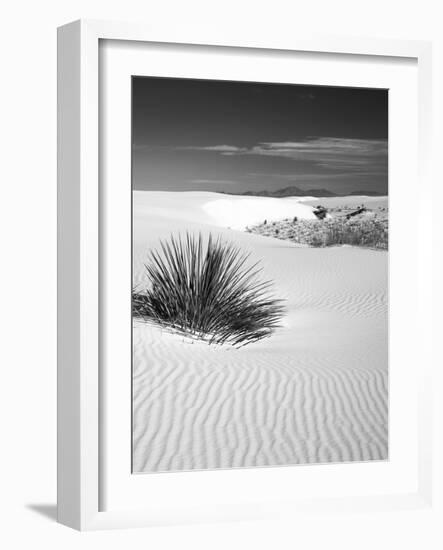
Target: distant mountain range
x,y
293,191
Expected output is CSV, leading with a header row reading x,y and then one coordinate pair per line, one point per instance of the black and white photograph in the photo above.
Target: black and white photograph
x,y
260,274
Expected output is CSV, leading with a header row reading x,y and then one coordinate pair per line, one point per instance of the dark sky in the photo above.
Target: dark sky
x,y
241,136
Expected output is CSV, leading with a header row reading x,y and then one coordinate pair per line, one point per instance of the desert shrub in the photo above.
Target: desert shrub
x,y
316,241
207,290
369,233
321,212
364,232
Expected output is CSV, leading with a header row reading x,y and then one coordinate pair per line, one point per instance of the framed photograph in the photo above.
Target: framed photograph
x,y
243,276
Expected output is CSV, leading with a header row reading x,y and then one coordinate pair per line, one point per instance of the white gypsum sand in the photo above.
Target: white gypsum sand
x,y
315,391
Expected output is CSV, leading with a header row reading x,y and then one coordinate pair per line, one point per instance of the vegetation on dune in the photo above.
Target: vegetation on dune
x,y
208,290
368,232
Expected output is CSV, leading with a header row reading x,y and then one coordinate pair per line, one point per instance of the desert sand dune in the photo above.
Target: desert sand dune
x,y
240,212
315,391
351,200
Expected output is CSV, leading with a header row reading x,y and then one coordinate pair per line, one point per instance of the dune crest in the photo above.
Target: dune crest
x,y
240,212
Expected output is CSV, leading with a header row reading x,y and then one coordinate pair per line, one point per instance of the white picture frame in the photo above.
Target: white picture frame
x,y
79,260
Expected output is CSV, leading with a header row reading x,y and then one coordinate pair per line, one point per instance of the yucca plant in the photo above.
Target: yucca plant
x,y
207,290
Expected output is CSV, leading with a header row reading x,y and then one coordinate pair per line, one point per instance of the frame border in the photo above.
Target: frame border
x,y
78,206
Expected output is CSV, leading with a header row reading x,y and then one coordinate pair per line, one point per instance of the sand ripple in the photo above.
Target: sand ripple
x,y
316,391
223,409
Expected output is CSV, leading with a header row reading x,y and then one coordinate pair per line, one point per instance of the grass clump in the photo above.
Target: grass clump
x,y
368,232
207,290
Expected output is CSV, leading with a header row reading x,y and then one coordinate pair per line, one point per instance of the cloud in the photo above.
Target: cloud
x,y
329,153
215,148
309,96
324,155
224,149
319,147
213,182
307,176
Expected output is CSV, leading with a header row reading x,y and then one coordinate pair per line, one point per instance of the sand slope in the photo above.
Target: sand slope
x,y
352,201
316,391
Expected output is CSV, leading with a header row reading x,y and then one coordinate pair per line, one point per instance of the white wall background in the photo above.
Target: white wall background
x,y
28,269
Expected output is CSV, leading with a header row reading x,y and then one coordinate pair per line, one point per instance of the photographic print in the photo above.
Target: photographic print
x,y
260,274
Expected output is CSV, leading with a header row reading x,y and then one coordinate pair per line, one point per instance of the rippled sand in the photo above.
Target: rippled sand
x,y
316,391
